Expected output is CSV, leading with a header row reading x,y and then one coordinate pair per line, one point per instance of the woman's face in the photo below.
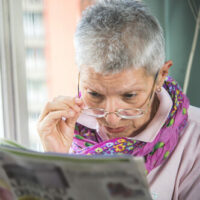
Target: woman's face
x,y
128,89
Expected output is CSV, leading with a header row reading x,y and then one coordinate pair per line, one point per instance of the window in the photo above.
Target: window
x,y
36,38
49,55
1,114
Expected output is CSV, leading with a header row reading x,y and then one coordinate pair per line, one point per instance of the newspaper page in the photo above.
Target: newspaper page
x,y
29,175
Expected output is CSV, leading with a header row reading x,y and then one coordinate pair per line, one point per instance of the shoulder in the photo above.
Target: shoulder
x,y
194,114
191,133
189,184
188,173
189,143
193,126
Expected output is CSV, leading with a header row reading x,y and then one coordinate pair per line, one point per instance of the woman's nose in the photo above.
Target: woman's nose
x,y
111,107
112,119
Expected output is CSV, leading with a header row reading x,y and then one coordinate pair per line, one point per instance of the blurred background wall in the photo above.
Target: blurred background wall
x,y
178,21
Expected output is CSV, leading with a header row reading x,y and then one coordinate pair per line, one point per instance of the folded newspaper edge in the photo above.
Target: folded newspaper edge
x,y
30,175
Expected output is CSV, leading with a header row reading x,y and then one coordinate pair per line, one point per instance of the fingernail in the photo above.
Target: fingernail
x,y
63,118
77,100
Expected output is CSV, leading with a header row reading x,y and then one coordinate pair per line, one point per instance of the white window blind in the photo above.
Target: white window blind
x,y
13,83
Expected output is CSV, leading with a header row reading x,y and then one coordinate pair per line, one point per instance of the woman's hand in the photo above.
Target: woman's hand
x,y
57,123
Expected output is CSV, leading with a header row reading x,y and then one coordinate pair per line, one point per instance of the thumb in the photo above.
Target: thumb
x,y
67,128
70,122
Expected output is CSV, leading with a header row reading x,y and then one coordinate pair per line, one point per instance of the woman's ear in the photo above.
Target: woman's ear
x,y
163,73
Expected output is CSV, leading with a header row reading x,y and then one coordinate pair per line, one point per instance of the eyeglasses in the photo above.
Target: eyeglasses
x,y
132,113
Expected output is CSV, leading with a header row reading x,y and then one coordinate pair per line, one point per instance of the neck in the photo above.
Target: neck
x,y
154,108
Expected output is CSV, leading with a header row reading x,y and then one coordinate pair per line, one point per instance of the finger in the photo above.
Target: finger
x,y
65,100
79,102
68,101
59,105
52,119
70,122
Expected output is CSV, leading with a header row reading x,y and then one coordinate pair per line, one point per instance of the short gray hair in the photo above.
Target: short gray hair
x,y
114,35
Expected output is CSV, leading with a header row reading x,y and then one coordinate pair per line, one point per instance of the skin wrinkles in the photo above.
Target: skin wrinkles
x,y
111,87
104,81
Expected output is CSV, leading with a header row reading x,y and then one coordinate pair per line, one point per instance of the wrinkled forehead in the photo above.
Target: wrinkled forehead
x,y
129,79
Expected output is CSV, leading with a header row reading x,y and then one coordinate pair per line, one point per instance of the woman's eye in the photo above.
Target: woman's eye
x,y
129,96
94,94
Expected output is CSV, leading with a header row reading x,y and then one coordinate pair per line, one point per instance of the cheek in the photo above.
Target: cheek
x,y
138,123
85,99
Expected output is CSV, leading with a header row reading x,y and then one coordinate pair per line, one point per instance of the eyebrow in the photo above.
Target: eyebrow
x,y
121,92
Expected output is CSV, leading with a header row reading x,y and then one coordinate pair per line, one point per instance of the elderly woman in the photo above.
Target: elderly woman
x,y
127,103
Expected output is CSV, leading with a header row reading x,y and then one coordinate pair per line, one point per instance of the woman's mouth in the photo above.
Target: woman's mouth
x,y
115,130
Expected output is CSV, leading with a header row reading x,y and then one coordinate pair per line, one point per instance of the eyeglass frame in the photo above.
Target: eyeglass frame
x,y
117,112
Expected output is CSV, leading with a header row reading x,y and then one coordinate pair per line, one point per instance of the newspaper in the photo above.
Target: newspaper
x,y
31,175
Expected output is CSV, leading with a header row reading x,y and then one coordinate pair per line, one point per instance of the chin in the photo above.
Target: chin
x,y
114,134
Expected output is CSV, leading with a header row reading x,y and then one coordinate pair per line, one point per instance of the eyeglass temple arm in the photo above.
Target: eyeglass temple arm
x,y
78,85
155,79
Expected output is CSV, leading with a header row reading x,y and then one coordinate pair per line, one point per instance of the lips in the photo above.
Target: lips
x,y
115,130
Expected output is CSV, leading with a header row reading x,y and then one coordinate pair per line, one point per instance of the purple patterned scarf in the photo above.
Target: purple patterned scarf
x,y
87,141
